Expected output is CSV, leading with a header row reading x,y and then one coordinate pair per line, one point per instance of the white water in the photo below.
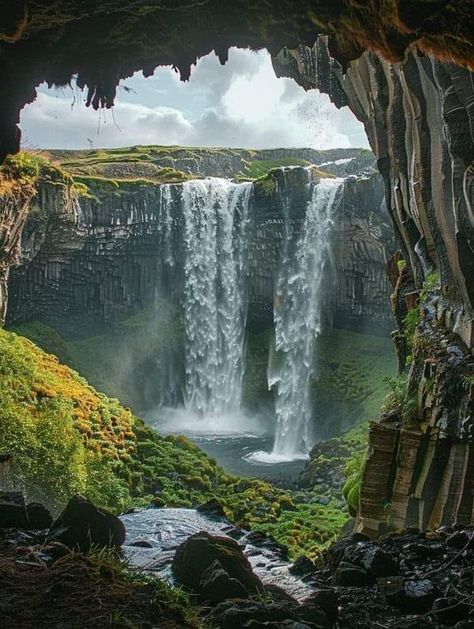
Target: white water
x,y
215,309
297,313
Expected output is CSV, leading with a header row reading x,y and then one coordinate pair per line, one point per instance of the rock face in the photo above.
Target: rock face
x,y
418,118
108,259
14,208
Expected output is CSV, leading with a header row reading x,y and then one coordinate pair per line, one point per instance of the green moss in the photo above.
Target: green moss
x,y
308,529
261,167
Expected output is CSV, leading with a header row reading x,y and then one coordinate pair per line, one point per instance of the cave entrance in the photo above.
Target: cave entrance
x,y
225,247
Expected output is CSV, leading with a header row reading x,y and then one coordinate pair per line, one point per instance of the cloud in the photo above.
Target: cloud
x,y
241,104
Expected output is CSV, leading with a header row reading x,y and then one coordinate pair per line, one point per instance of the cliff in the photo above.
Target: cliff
x,y
418,118
108,260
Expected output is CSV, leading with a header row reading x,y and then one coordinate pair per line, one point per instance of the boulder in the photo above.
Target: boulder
x,y
328,601
216,585
371,558
336,551
415,596
239,614
449,611
302,566
13,513
39,517
461,539
82,525
201,550
212,508
352,576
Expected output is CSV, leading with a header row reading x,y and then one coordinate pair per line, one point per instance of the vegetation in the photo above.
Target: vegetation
x,y
261,167
308,529
66,438
95,590
118,360
353,471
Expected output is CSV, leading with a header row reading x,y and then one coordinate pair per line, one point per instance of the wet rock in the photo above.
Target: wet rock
x,y
302,566
199,551
212,508
328,601
413,595
337,550
39,517
239,614
82,525
461,539
353,576
449,611
427,549
371,558
216,585
13,513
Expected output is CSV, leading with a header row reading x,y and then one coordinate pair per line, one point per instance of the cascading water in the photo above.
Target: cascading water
x,y
297,314
215,223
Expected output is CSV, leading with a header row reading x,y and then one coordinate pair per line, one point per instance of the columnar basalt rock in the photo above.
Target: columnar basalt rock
x,y
418,117
111,259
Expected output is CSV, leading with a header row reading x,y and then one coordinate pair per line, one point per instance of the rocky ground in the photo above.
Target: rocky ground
x,y
69,575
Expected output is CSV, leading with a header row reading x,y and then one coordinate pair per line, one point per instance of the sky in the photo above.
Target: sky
x,y
241,105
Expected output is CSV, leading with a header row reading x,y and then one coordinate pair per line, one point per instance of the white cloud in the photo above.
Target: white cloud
x,y
241,104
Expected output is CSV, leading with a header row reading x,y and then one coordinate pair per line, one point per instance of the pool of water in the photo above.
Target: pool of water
x,y
240,443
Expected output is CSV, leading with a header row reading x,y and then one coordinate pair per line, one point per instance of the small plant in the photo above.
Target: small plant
x,y
401,264
468,381
353,472
430,284
398,398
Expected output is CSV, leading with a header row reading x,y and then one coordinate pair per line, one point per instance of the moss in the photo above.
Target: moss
x,y
306,530
261,167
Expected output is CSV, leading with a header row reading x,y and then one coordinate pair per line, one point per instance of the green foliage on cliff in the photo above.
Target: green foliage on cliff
x,y
353,471
261,167
118,359
349,386
66,438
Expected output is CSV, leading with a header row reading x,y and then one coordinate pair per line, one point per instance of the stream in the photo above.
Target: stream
x,y
163,530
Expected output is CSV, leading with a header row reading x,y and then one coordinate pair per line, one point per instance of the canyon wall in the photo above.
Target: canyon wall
x,y
111,260
419,118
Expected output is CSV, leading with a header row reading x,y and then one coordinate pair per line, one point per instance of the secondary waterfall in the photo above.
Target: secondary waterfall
x,y
215,223
297,313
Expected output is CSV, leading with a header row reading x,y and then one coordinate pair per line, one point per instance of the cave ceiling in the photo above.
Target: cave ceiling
x,y
104,42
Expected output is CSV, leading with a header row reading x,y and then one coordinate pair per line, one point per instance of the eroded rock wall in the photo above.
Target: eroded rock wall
x,y
112,260
419,118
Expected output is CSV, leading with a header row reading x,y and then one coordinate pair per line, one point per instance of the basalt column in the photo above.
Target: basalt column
x,y
419,118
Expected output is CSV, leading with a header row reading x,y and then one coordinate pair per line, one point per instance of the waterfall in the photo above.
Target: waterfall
x,y
215,223
297,314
